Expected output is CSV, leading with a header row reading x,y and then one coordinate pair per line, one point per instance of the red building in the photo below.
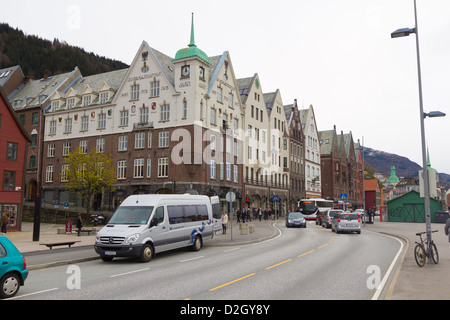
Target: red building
x,y
13,145
373,194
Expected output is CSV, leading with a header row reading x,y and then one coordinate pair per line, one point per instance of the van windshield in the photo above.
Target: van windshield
x,y
131,215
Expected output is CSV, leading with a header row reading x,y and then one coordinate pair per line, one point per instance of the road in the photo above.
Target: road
x,y
311,263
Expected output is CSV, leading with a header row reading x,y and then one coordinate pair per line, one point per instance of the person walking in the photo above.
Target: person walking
x,y
446,229
79,225
4,222
260,214
224,222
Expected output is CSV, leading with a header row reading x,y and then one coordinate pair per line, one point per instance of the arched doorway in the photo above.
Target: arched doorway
x,y
32,190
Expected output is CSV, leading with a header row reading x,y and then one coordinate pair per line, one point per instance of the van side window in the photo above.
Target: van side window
x,y
159,213
187,213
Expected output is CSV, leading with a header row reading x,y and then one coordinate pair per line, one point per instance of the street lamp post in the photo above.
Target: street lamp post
x,y
402,33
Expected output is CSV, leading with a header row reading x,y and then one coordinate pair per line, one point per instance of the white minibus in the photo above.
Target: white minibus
x,y
144,225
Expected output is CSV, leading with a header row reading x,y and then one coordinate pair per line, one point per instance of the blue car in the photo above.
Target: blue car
x,y
13,269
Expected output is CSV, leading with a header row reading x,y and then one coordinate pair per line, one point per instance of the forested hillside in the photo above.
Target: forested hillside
x,y
37,56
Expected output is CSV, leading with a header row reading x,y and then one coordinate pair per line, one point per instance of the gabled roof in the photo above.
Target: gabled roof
x,y
14,115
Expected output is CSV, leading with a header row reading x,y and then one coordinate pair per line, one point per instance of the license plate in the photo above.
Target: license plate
x,y
109,253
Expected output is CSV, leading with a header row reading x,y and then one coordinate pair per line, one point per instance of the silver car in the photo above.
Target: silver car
x,y
346,222
328,216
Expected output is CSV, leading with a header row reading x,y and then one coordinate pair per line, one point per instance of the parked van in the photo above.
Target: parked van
x,y
144,225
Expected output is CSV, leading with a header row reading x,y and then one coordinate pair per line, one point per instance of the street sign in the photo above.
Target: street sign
x,y
343,197
231,196
66,205
275,197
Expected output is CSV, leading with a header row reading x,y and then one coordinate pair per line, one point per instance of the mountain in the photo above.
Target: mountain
x,y
382,161
38,57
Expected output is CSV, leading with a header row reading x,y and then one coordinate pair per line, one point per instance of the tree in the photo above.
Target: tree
x,y
89,174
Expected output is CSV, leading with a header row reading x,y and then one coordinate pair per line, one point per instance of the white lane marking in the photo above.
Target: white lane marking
x,y
192,259
32,294
127,273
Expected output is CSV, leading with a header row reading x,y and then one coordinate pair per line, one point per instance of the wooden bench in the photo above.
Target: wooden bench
x,y
55,244
88,230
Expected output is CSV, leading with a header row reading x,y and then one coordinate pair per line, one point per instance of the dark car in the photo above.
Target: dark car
x,y
13,269
295,219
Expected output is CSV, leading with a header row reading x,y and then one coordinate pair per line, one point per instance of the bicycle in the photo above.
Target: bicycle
x,y
420,254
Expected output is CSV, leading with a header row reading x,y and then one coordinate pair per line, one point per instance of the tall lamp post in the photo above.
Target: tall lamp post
x,y
404,32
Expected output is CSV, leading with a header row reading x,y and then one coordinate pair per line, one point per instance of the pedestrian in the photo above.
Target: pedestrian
x,y
238,215
4,222
79,225
224,222
244,215
446,229
260,214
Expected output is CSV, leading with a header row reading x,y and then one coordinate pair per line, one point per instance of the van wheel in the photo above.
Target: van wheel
x,y
197,245
146,253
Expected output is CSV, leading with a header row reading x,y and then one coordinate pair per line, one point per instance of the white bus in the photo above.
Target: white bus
x,y
310,207
144,225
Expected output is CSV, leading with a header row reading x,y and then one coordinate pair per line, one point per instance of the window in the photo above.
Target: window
x,y
213,116
11,154
235,173
123,143
84,123
138,168
51,150
101,120
86,101
219,94
52,130
143,115
64,173
34,118
49,174
139,140
230,100
70,103
22,118
164,139
100,145
163,167
66,148
83,146
212,169
228,171
68,126
32,162
9,180
165,112
135,92
55,105
121,169
124,118
104,97
33,140
185,108
154,89
149,168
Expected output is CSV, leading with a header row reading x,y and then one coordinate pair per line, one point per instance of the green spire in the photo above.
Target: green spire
x,y
192,44
192,50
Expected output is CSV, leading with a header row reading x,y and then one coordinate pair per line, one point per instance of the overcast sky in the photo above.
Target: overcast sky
x,y
334,54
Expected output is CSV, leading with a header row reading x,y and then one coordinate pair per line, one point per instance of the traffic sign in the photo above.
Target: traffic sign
x,y
343,197
275,197
231,196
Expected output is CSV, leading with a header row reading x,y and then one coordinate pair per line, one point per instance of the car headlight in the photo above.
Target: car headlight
x,y
133,238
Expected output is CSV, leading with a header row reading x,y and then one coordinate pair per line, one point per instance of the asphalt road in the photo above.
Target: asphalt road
x,y
311,263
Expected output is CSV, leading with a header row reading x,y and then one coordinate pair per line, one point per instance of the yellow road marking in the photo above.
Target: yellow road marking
x,y
223,285
322,246
276,265
304,254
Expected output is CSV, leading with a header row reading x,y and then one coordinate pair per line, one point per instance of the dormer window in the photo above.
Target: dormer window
x,y
55,105
70,103
87,100
104,97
